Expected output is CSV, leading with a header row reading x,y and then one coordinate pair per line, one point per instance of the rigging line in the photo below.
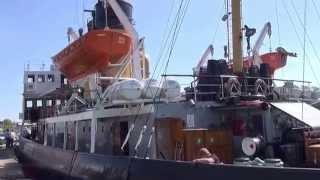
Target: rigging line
x,y
172,45
170,32
227,2
174,38
172,35
304,54
176,35
167,39
218,24
82,14
316,8
312,70
77,15
176,32
307,34
298,37
164,44
277,20
164,50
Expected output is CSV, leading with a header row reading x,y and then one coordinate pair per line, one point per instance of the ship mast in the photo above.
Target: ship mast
x,y
237,37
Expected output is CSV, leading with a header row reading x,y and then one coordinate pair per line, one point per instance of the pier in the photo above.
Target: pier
x,y
9,166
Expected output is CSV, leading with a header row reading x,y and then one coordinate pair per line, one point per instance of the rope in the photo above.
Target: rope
x,y
277,20
307,34
83,15
173,34
228,30
304,55
177,28
299,39
316,9
165,39
218,24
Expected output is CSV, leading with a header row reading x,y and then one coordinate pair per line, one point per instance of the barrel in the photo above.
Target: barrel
x,y
223,67
253,71
213,67
265,70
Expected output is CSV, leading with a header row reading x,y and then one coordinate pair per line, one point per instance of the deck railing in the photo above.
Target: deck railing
x,y
222,87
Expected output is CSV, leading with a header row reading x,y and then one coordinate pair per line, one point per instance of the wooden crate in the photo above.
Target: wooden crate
x,y
193,141
313,155
169,135
216,141
220,143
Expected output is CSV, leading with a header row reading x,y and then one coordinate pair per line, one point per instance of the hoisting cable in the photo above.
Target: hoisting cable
x,y
177,27
277,20
316,9
307,34
304,56
162,47
299,40
165,40
160,57
218,24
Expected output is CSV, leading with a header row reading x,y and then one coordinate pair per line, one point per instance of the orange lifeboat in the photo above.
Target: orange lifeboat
x,y
92,53
275,60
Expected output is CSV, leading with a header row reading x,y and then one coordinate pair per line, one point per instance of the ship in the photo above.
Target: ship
x,y
97,114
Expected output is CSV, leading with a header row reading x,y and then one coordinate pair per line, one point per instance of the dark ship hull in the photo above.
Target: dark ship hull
x,y
75,165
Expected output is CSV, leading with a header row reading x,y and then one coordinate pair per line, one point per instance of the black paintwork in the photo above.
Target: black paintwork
x,y
55,163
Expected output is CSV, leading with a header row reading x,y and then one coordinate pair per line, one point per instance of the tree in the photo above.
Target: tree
x,y
7,124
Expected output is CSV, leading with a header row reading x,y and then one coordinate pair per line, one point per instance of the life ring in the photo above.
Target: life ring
x,y
233,87
260,87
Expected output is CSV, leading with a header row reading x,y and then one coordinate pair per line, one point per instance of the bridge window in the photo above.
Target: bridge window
x,y
29,104
84,138
59,134
41,78
71,135
49,102
39,103
30,78
58,102
50,78
65,81
50,134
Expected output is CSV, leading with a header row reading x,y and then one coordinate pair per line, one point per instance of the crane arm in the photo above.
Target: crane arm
x,y
265,31
123,18
203,59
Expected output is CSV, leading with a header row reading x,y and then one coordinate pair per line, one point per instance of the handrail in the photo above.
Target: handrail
x,y
226,86
232,76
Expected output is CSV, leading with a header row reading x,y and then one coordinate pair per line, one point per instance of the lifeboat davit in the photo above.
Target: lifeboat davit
x,y
92,53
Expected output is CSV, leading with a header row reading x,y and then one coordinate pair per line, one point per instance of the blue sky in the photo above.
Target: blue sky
x,y
33,31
